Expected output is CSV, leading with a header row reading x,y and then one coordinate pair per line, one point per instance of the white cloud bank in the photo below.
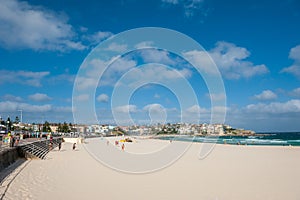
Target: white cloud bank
x,y
10,106
157,56
9,97
97,37
82,97
295,67
230,60
39,97
120,66
116,47
103,98
155,73
154,108
36,113
23,77
295,92
27,26
291,106
216,96
126,109
265,95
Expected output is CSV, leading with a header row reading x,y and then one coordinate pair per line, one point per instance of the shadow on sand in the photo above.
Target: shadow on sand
x,y
8,170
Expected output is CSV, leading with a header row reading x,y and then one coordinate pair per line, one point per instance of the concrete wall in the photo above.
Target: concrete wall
x,y
74,140
8,156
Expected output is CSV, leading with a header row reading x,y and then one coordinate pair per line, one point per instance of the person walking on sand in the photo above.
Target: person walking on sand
x,y
123,147
13,140
59,146
50,146
74,146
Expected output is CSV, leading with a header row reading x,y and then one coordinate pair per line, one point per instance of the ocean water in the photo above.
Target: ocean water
x,y
270,139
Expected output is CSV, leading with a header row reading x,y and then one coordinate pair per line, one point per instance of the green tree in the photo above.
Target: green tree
x,y
59,128
46,127
17,120
65,128
2,122
8,123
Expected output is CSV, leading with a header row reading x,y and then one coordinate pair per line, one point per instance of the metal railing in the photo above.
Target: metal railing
x,y
40,148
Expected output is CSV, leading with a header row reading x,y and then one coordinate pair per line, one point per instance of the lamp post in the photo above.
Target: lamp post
x,y
21,115
7,125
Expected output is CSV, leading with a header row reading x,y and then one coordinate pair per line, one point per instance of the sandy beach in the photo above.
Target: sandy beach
x,y
229,172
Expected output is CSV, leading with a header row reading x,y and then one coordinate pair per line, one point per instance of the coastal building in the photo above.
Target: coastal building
x,y
219,129
54,127
80,128
97,129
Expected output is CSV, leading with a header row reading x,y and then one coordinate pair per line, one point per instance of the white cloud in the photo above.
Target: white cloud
x,y
97,37
116,47
23,77
144,44
96,65
126,109
39,97
82,97
9,97
156,73
62,78
295,67
197,114
216,97
295,92
91,75
156,112
34,27
121,65
230,59
266,95
291,106
118,66
103,98
117,69
295,53
196,109
190,6
83,83
202,59
154,108
10,106
192,114
37,113
157,56
111,73
220,109
174,110
62,109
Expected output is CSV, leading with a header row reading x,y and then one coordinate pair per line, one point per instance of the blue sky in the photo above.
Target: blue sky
x,y
254,44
